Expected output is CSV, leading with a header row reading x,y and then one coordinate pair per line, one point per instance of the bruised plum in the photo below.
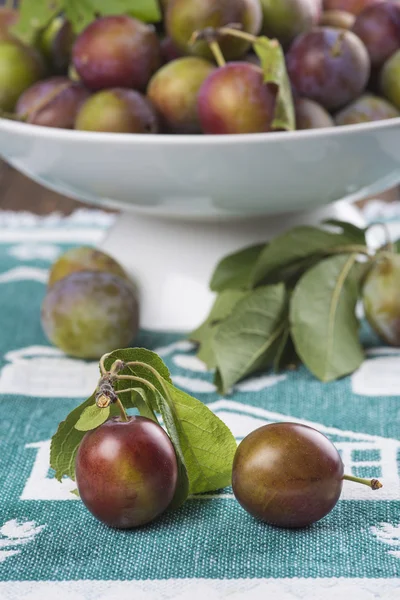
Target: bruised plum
x,y
90,313
184,17
311,115
378,26
84,258
337,18
330,66
126,472
117,111
116,51
381,298
55,43
287,474
235,99
53,102
366,109
351,6
20,67
174,90
390,79
286,19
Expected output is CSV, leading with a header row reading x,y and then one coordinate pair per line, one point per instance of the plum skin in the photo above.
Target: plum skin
x,y
174,90
53,102
311,115
20,67
365,109
285,19
330,66
381,299
287,475
126,472
84,258
90,313
352,6
116,51
235,99
378,26
390,79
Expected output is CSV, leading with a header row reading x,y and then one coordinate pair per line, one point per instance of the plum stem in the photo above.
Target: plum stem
x,y
234,32
217,52
103,370
124,416
374,484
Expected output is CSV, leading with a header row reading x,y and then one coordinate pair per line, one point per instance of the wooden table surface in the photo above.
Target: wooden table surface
x,y
18,193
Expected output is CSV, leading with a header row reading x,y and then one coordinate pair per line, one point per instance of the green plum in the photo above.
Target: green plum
x,y
20,67
286,19
84,258
366,109
90,313
390,79
117,110
381,298
174,91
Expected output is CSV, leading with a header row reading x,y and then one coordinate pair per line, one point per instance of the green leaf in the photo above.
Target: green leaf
x,y
221,309
82,12
207,444
297,244
243,342
34,16
352,232
138,399
324,325
233,271
273,65
92,417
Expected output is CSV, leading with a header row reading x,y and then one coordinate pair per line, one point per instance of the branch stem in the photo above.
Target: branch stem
x,y
372,483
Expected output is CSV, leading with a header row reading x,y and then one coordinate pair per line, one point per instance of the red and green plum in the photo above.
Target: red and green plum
x,y
365,109
378,26
174,91
235,99
84,258
55,44
330,66
117,51
117,110
126,472
53,102
287,474
88,313
311,115
381,299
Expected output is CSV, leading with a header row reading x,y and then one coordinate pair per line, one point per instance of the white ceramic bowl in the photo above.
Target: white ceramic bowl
x,y
209,176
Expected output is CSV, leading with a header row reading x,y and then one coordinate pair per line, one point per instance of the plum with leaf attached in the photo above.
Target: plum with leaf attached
x,y
126,471
116,51
52,102
330,66
289,475
381,298
20,67
89,312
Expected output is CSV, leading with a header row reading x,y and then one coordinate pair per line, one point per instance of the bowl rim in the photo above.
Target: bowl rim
x,y
192,139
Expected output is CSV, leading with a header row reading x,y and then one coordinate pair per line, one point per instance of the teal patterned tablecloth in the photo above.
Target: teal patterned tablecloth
x,y
51,547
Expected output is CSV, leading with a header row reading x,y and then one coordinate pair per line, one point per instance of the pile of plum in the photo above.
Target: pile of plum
x,y
122,75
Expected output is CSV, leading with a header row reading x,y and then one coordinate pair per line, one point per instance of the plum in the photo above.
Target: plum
x,y
381,298
378,26
184,17
169,51
126,472
311,115
117,111
286,19
365,109
330,66
287,474
55,43
390,79
53,102
20,67
352,6
337,18
90,313
84,258
174,91
235,99
116,51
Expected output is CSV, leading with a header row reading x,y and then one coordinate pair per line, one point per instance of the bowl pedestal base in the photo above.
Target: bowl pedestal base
x,y
172,261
